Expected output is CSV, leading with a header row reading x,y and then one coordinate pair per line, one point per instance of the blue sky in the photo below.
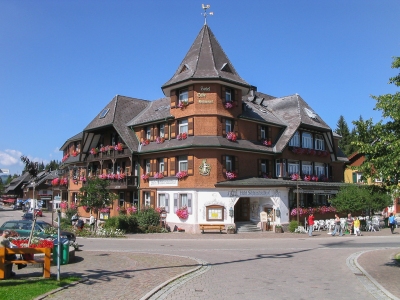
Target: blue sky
x,y
62,61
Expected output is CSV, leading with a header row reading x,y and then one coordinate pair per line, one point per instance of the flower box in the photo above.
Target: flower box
x,y
228,105
160,140
231,136
278,229
182,213
231,175
183,104
145,142
145,177
181,136
181,174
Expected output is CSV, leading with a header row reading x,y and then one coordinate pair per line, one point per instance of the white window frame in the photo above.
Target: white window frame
x,y
262,132
293,167
183,200
307,140
161,165
306,168
319,169
263,167
147,166
228,163
148,132
163,201
183,95
228,94
183,126
162,130
359,177
295,140
228,125
183,163
319,142
147,198
278,168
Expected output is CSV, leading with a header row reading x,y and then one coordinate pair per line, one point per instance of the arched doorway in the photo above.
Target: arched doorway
x,y
242,210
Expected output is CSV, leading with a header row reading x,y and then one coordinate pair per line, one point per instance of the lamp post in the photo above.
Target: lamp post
x,y
298,202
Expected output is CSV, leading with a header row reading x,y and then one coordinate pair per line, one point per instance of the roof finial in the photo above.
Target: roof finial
x,y
205,7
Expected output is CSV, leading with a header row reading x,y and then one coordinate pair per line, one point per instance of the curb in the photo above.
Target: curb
x,y
61,288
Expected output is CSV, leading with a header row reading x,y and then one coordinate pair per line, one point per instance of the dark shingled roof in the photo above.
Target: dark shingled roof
x,y
266,182
155,111
76,137
204,141
205,60
122,110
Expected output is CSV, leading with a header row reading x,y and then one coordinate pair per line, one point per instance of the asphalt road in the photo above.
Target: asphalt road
x,y
248,266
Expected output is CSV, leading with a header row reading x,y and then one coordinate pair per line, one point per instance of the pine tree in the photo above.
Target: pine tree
x,y
343,129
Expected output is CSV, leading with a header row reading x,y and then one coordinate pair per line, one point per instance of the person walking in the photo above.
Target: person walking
x,y
349,223
310,224
392,222
338,227
91,222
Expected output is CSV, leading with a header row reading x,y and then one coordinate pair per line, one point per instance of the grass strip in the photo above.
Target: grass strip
x,y
27,289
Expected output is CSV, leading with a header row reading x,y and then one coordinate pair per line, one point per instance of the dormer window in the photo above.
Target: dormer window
x,y
319,142
307,140
295,140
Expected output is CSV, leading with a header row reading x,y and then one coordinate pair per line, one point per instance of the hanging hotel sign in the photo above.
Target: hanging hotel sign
x,y
163,182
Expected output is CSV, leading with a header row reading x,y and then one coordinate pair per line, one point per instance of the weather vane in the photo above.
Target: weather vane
x,y
205,7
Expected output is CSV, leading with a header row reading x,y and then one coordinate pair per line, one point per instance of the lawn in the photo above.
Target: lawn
x,y
27,289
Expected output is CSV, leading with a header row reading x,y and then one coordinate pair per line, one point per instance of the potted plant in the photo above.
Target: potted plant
x,y
231,229
278,228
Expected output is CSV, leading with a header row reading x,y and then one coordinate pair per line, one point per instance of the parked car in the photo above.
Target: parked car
x,y
27,216
23,228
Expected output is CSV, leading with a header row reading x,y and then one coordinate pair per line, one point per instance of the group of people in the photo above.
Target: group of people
x,y
78,223
350,223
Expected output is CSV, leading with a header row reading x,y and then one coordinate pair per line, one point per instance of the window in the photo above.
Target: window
x,y
182,163
319,169
228,95
262,132
148,132
214,213
295,140
184,95
181,200
306,168
183,126
104,113
307,141
319,142
357,177
293,167
264,167
278,168
163,201
147,166
147,198
161,165
161,130
229,163
121,199
228,126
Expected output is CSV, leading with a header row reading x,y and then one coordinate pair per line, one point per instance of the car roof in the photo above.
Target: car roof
x,y
26,221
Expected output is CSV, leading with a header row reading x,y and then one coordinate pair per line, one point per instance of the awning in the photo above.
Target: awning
x,y
9,200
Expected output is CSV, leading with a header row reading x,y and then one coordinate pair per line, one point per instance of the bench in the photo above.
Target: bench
x,y
9,251
219,227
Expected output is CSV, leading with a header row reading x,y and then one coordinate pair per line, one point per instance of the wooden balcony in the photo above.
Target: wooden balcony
x,y
108,155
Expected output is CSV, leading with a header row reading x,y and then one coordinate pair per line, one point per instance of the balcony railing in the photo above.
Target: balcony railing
x,y
128,181
108,154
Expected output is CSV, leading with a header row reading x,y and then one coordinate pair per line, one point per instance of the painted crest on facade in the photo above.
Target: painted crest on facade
x,y
205,168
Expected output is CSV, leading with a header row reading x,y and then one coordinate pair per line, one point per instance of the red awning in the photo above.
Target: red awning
x,y
9,200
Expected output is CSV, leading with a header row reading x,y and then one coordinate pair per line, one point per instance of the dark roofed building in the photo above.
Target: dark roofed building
x,y
214,148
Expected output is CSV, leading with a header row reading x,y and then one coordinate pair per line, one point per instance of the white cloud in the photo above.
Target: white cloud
x,y
10,157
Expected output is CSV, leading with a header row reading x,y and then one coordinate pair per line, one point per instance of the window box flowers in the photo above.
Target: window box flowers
x,y
74,153
35,243
119,176
183,104
181,174
231,136
158,175
63,181
145,177
145,142
295,176
306,211
228,105
119,147
65,157
267,143
105,210
231,175
94,151
55,181
182,213
160,140
131,210
181,136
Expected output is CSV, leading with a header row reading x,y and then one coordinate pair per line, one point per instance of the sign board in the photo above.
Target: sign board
x,y
163,182
263,216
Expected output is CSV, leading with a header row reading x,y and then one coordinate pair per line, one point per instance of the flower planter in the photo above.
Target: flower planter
x,y
231,231
278,230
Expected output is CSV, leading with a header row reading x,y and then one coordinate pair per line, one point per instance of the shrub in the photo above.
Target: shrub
x,y
148,217
154,229
293,226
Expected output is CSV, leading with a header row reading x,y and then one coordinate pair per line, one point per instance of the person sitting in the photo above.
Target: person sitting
x,y
80,224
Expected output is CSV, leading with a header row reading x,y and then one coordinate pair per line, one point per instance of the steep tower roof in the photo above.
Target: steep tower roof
x,y
205,60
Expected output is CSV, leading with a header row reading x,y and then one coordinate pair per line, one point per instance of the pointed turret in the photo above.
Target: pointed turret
x,y
205,61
